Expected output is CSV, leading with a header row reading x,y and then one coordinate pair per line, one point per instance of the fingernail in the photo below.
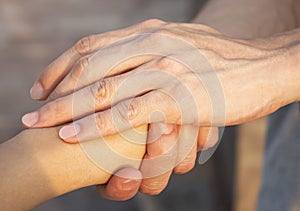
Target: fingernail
x,y
69,131
158,129
36,91
128,184
30,119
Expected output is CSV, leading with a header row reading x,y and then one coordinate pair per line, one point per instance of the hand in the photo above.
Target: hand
x,y
191,71
176,73
131,176
126,182
63,64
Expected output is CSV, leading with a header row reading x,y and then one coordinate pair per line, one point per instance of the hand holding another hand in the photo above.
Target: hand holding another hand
x,y
157,72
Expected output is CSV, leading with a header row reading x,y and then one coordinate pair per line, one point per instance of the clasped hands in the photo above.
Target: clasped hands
x,y
184,80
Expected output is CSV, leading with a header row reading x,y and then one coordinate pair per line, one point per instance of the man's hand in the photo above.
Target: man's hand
x,y
181,74
162,72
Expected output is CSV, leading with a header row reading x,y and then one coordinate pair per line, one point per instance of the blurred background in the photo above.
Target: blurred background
x,y
34,32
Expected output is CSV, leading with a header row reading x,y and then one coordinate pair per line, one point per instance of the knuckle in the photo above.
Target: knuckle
x,y
163,62
127,110
100,91
83,63
79,68
153,22
84,45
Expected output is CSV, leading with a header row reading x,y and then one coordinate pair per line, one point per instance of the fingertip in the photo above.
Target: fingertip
x,y
184,167
123,185
155,185
129,173
129,180
213,139
30,119
69,133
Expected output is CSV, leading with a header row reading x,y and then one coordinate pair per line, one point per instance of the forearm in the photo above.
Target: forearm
x,y
250,18
36,165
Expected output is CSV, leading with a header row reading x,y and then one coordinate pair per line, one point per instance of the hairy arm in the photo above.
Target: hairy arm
x,y
36,165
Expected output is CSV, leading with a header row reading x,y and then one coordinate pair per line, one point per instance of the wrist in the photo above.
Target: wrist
x,y
286,65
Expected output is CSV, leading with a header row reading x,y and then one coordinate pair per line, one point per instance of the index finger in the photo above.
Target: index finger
x,y
59,68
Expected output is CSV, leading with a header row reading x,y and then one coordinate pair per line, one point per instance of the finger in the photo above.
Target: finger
x,y
122,116
121,186
155,185
187,149
158,163
96,97
207,137
156,130
58,69
103,64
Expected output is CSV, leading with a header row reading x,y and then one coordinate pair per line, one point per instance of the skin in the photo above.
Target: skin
x,y
37,166
257,76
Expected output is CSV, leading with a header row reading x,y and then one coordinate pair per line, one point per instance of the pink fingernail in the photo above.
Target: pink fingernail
x,y
129,184
69,131
159,129
30,119
36,91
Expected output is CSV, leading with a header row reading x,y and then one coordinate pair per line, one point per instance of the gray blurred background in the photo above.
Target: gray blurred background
x,y
34,32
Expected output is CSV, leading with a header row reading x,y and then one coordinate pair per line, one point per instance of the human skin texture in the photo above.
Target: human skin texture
x,y
36,165
253,94
241,67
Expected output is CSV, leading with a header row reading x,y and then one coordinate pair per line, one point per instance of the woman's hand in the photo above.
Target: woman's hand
x,y
37,166
170,149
